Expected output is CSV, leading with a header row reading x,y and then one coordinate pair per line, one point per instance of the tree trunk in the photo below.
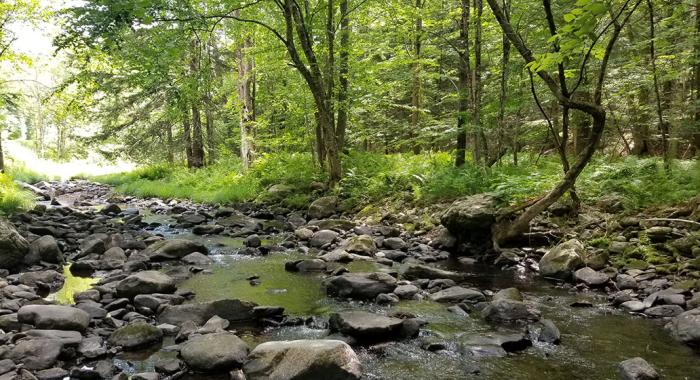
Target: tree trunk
x,y
463,84
416,91
246,85
209,120
696,81
169,141
197,144
663,127
505,45
2,155
343,70
480,144
508,230
187,138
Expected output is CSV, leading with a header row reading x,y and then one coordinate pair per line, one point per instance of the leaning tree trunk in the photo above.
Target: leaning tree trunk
x,y
507,230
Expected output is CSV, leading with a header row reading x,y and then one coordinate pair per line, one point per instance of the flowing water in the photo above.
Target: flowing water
x,y
594,339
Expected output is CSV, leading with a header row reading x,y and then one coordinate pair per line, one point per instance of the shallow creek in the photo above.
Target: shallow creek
x,y
594,339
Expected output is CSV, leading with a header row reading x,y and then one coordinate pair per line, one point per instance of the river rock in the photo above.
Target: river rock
x,y
507,311
67,338
508,294
508,342
173,249
361,245
115,254
53,279
625,281
322,238
333,224
309,265
147,282
13,247
471,218
394,243
233,310
366,327
154,301
406,292
95,243
458,294
36,354
46,249
197,258
561,260
417,271
323,207
686,327
207,229
52,374
92,347
633,306
637,369
662,311
303,359
214,352
136,335
54,317
360,285
591,277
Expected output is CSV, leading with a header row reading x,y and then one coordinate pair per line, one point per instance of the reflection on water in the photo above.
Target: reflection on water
x,y
72,285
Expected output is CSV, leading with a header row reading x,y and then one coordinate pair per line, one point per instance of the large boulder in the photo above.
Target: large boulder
x,y
173,249
214,352
417,271
146,282
561,260
46,248
361,245
303,359
360,285
470,219
323,237
54,317
323,207
13,247
686,327
136,335
233,310
366,327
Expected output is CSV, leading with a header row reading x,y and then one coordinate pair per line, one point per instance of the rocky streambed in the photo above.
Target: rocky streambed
x,y
103,286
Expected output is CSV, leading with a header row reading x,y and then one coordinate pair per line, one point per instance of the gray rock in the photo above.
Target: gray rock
x,y
168,366
6,365
547,332
507,342
406,292
303,359
214,352
67,338
366,327
469,215
303,233
664,311
136,335
458,294
417,271
360,285
36,354
233,310
323,237
637,369
309,265
507,311
561,260
145,376
394,243
96,243
591,277
508,294
46,249
147,282
685,327
92,347
333,224
207,229
173,249
13,247
114,254
625,281
323,207
54,317
52,374
252,241
197,258
633,306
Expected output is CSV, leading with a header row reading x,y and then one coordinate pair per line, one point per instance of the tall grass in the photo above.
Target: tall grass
x,y
12,197
424,178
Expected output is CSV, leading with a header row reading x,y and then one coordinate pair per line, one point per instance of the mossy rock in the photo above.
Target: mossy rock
x,y
664,269
694,263
687,285
634,252
600,242
636,264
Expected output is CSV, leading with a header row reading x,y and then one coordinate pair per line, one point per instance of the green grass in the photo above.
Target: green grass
x,y
423,179
12,197
19,172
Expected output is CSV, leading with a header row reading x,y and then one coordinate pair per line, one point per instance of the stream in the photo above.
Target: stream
x,y
594,339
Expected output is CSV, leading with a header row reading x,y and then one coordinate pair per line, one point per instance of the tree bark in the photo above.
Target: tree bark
x,y
416,92
209,121
197,144
663,127
696,81
187,138
169,141
502,98
463,84
246,85
343,71
480,145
